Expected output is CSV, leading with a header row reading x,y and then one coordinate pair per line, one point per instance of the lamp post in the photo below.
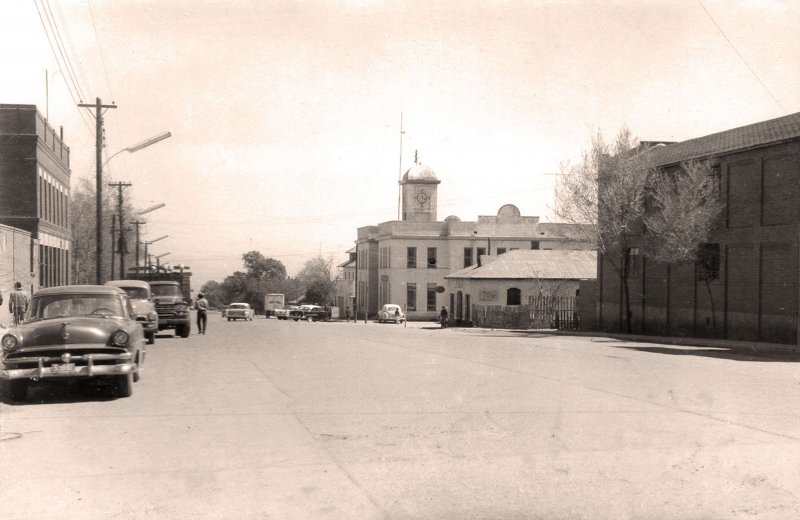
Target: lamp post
x,y
158,261
147,243
99,194
138,222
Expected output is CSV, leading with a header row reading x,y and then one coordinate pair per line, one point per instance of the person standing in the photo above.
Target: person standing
x,y
397,316
347,314
202,313
18,303
443,317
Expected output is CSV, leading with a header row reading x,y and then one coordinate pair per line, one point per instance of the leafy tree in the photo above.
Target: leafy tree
x,y
214,293
683,209
83,217
608,188
258,266
318,278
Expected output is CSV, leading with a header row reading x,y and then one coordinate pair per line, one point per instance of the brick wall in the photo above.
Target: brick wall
x,y
756,295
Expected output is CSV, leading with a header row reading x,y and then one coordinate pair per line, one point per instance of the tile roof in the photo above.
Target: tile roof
x,y
744,137
535,263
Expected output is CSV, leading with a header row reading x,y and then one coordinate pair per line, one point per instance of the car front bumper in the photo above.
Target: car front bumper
x,y
111,364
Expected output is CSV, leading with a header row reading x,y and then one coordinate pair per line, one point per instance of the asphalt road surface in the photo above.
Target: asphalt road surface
x,y
285,420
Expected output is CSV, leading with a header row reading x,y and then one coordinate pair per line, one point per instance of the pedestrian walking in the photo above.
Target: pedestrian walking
x,y
443,317
347,314
202,313
18,303
397,316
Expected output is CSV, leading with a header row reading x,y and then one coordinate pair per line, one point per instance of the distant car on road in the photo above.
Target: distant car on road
x,y
74,332
239,311
387,313
285,313
313,313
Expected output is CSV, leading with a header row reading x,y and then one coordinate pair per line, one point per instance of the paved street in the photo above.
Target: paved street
x,y
284,420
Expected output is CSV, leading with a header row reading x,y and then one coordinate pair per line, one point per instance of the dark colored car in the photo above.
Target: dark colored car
x,y
314,313
74,332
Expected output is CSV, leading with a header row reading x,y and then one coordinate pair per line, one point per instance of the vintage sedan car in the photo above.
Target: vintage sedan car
x,y
387,313
312,313
143,307
74,332
239,311
285,313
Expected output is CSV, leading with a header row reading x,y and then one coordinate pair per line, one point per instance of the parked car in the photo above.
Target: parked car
x,y
143,308
74,332
285,313
387,313
314,313
239,311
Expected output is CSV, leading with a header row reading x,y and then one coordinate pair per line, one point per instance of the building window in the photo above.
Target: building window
x,y
431,297
513,296
481,251
467,256
431,258
501,250
385,261
634,255
411,297
411,257
534,244
707,265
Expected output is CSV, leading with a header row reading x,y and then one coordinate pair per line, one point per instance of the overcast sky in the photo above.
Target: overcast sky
x,y
286,115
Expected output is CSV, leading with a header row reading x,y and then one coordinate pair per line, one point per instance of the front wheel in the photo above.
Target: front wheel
x,y
123,385
183,331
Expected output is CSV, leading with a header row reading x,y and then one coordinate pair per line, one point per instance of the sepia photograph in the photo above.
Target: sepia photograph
x,y
400,259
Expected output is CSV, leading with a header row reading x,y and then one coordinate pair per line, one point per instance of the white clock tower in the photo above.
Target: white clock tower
x,y
419,193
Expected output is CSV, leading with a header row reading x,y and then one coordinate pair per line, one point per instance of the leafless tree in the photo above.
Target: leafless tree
x,y
683,209
608,188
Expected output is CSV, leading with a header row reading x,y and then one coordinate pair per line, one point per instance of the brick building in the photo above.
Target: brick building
x,y
34,191
752,258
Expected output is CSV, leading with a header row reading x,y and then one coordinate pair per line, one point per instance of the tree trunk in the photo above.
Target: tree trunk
x,y
626,319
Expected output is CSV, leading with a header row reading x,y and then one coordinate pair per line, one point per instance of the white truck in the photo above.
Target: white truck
x,y
273,302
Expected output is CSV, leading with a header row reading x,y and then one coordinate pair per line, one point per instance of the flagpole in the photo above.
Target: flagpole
x,y
400,170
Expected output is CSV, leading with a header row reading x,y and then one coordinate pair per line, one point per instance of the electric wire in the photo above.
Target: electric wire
x,y
62,48
67,81
775,99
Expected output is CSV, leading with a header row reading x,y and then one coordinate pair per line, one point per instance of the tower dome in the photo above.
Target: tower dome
x,y
420,172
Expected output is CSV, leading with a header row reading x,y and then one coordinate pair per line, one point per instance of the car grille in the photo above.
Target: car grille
x,y
79,356
165,309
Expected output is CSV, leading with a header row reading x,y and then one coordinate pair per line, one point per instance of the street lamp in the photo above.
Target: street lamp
x,y
99,196
158,261
143,144
147,243
137,223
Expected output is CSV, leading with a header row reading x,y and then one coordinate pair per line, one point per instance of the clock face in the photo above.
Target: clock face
x,y
422,198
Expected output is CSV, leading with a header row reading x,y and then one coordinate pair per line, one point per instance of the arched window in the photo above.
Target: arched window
x,y
513,296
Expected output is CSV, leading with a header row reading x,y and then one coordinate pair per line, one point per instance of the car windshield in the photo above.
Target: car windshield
x,y
166,290
238,306
137,293
69,305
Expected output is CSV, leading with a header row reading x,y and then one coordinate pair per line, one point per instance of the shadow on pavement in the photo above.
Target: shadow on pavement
x,y
61,392
716,352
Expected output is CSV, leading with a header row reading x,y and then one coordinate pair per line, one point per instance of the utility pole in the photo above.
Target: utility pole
x,y
99,106
122,245
137,223
113,240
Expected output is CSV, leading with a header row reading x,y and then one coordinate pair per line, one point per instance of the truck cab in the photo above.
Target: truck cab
x,y
172,309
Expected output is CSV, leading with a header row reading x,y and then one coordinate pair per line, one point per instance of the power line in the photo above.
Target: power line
x,y
62,48
777,102
67,82
100,49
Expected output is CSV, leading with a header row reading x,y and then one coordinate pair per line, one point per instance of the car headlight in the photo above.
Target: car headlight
x,y
120,338
10,342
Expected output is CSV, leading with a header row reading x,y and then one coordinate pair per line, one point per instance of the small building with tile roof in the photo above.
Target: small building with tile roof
x,y
751,265
517,278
